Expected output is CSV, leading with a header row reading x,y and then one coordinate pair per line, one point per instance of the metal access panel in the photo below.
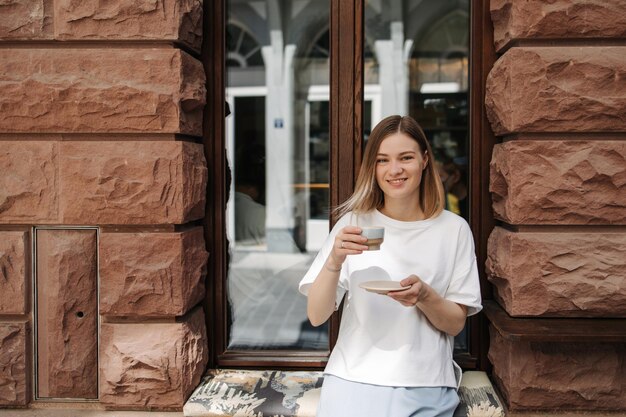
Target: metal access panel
x,y
65,265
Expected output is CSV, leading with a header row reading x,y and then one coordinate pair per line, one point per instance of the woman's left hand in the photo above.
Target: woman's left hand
x,y
411,296
446,315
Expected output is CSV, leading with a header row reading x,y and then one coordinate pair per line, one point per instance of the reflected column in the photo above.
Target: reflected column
x,y
393,56
279,143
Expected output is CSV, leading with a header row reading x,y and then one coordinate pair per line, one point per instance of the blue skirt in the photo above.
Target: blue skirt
x,y
341,398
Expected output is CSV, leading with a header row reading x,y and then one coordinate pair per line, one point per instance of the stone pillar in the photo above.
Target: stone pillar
x,y
103,132
558,187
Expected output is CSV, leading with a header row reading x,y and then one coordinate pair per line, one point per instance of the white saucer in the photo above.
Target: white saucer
x,y
382,287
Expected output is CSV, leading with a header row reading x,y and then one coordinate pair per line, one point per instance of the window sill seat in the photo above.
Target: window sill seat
x,y
250,393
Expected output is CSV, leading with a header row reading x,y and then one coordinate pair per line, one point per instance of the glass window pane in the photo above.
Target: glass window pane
x,y
278,150
420,67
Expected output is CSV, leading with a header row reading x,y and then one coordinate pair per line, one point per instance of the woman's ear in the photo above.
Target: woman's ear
x,y
426,159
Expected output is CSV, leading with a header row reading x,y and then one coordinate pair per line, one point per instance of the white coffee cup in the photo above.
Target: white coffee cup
x,y
375,236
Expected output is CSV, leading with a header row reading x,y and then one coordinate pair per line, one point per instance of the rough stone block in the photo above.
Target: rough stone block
x,y
71,182
132,182
562,376
14,364
540,19
29,182
558,274
26,19
151,274
566,89
152,365
67,313
559,182
14,262
176,20
89,90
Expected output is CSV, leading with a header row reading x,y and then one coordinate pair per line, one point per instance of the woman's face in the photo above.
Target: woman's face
x,y
399,167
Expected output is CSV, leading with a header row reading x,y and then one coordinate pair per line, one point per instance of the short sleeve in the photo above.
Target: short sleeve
x,y
320,259
464,286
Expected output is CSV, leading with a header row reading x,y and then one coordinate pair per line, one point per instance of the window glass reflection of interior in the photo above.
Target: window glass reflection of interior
x,y
250,172
319,150
421,66
277,146
415,62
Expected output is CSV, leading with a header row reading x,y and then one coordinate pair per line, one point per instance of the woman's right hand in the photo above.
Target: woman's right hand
x,y
347,242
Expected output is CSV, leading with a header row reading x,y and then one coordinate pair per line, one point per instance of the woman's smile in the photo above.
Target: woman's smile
x,y
396,182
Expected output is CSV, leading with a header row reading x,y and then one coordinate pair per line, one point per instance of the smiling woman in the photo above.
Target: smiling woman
x,y
394,352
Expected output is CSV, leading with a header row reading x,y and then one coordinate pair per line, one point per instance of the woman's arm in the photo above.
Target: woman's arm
x,y
445,315
321,297
322,294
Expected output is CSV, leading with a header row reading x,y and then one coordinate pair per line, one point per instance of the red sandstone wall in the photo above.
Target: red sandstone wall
x,y
102,130
557,98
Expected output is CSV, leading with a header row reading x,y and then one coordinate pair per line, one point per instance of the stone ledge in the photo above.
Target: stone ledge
x,y
564,330
558,364
226,393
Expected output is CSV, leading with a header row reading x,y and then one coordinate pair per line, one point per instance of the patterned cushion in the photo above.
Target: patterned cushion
x,y
245,393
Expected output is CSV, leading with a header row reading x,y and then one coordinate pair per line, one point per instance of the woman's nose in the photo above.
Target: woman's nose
x,y
396,168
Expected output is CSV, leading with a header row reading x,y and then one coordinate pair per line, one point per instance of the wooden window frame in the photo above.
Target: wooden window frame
x,y
346,101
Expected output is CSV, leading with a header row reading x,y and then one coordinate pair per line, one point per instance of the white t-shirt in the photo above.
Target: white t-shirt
x,y
381,341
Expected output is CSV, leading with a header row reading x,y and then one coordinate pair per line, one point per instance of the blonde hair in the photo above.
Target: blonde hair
x,y
368,196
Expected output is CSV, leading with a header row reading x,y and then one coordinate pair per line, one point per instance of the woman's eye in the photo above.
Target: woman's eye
x,y
407,158
380,161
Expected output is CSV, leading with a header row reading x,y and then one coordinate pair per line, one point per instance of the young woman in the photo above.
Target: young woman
x,y
393,355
